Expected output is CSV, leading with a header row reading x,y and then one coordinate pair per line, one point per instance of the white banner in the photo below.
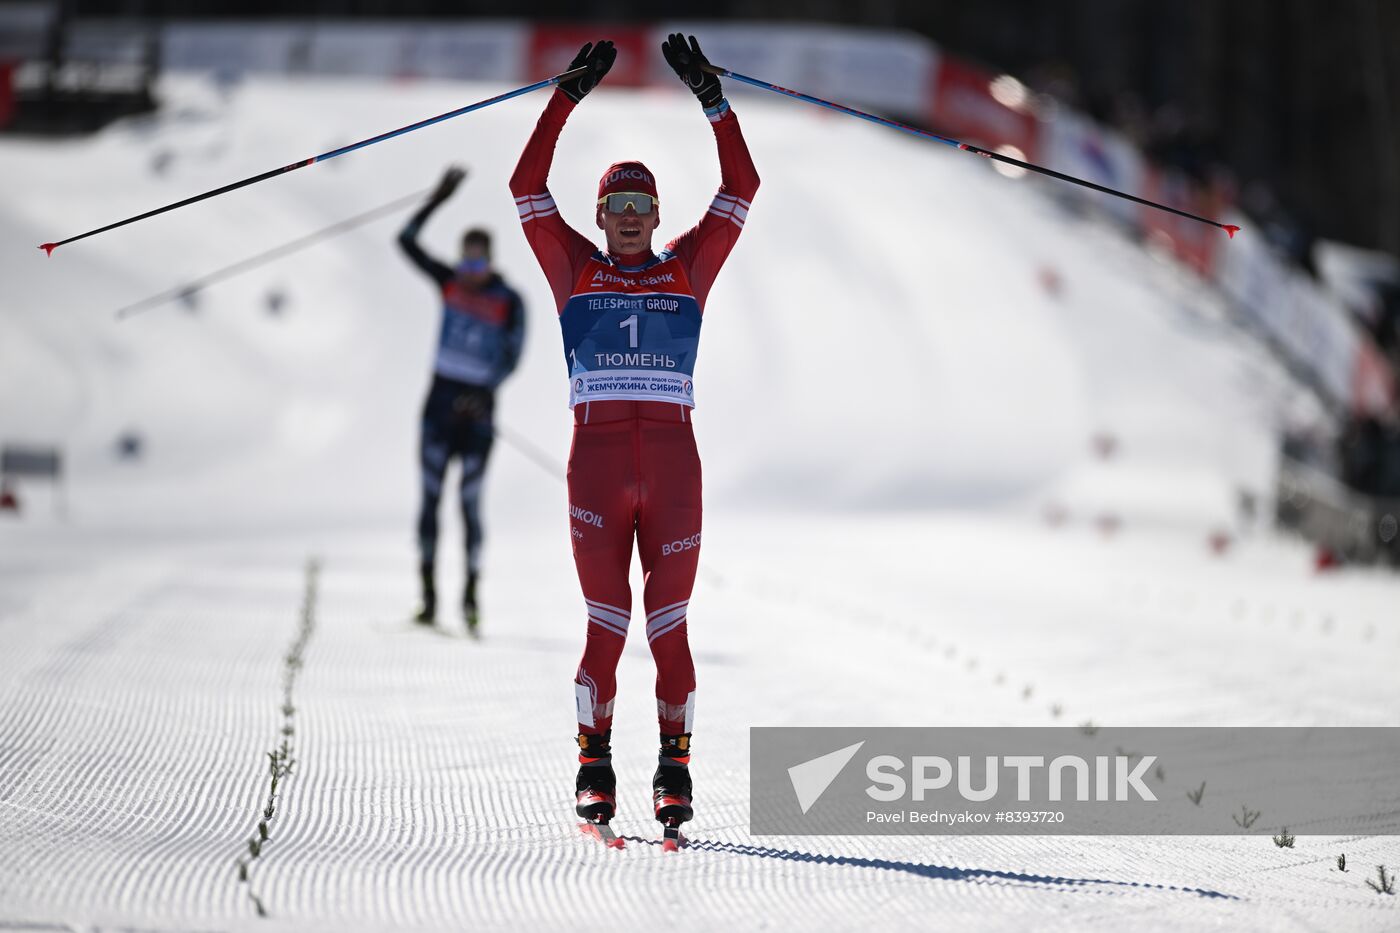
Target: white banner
x,y
490,50
477,51
237,47
634,385
873,69
1075,145
1309,325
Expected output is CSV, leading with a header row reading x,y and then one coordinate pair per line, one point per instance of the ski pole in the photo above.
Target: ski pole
x,y
277,252
529,451
1230,229
326,156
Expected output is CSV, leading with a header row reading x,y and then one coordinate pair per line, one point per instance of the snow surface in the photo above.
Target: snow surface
x,y
908,360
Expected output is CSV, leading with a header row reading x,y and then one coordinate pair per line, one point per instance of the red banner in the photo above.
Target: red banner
x,y
964,105
1191,241
7,93
552,47
1372,381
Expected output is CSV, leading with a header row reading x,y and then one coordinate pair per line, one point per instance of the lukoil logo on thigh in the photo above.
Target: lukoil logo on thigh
x,y
586,516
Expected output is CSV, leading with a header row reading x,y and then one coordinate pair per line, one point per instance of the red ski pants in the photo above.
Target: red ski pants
x,y
635,477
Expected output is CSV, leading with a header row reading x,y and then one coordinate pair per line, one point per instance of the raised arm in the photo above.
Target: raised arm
x,y
558,247
408,236
704,247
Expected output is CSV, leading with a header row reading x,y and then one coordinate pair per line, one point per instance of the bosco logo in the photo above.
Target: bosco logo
x,y
684,544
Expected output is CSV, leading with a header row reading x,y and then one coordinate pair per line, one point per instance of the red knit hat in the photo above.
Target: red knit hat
x,y
627,176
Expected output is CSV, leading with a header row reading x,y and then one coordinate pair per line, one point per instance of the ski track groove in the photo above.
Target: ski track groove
x,y
124,778
282,761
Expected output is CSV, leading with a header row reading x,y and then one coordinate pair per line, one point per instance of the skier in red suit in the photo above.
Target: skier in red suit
x,y
631,324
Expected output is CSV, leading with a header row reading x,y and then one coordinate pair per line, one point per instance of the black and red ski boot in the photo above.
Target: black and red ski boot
x,y
670,787
596,787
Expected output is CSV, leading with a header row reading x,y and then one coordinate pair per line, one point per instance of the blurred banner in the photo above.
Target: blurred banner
x,y
552,48
7,93
984,108
1349,525
1074,144
897,73
1194,244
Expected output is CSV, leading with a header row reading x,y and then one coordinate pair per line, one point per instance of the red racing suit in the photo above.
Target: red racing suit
x,y
633,467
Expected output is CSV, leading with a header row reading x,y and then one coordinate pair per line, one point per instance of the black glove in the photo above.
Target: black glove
x,y
450,180
599,58
686,61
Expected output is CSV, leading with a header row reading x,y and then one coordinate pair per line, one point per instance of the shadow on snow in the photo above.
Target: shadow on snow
x,y
923,870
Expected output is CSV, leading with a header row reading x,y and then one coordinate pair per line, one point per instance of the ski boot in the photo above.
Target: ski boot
x,y
670,788
595,791
469,611
427,610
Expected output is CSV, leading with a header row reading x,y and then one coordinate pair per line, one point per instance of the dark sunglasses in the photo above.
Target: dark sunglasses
x,y
618,201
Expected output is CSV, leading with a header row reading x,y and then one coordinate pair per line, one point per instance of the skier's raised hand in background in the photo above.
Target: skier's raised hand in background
x,y
448,183
598,58
687,61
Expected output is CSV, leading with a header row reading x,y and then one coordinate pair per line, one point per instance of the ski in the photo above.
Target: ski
x,y
672,840
600,830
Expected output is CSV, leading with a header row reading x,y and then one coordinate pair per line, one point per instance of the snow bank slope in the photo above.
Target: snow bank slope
x,y
898,326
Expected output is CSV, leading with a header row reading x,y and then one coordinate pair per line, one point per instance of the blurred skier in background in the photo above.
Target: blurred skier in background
x,y
479,343
631,322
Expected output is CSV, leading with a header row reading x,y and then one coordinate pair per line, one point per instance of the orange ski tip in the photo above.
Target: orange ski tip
x,y
48,248
1231,230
